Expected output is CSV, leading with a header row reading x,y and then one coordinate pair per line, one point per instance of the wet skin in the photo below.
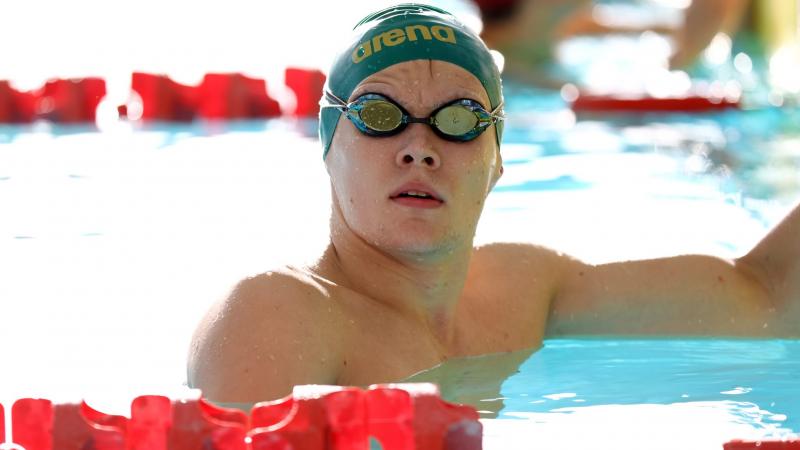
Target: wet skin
x,y
401,288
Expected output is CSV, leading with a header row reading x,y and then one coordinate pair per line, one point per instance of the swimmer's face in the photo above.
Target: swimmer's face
x,y
376,181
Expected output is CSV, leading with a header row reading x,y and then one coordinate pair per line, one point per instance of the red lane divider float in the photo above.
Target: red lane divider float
x,y
71,101
228,96
164,99
688,103
64,101
16,106
793,444
307,87
235,96
218,97
400,417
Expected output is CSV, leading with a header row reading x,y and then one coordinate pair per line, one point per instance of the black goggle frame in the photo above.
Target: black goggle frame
x,y
354,109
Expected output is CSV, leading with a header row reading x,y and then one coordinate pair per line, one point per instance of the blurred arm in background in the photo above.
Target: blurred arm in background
x,y
702,21
527,32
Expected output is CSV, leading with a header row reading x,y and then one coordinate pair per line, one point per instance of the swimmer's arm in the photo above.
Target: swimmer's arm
x,y
702,21
757,295
775,263
260,342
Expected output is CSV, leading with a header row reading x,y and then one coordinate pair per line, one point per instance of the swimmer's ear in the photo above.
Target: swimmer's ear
x,y
498,172
327,163
497,177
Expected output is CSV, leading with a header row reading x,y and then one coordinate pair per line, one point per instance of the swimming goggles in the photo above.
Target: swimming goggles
x,y
377,115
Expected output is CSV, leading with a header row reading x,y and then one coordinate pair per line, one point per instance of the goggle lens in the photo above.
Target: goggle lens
x,y
380,115
455,120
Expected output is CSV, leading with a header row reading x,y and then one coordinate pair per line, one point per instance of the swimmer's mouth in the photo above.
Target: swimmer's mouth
x,y
417,194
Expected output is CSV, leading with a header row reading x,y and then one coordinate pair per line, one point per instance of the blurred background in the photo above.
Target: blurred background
x,y
184,40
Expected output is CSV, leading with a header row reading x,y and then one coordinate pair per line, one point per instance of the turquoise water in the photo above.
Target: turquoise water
x,y
706,391
757,380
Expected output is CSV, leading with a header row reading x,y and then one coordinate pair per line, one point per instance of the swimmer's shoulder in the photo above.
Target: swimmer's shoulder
x,y
510,288
521,267
289,283
271,332
272,295
520,258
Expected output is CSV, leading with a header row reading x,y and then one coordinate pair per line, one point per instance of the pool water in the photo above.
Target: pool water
x,y
630,393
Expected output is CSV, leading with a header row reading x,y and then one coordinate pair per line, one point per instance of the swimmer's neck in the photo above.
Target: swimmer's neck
x,y
424,288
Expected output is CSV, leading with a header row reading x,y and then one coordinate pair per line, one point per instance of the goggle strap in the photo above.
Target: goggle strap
x,y
335,102
496,112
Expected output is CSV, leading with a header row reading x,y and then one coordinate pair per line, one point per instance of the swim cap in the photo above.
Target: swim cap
x,y
402,33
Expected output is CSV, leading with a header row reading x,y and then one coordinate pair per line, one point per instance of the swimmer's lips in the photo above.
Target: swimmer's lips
x,y
416,196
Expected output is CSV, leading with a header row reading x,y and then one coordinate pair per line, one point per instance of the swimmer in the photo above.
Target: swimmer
x,y
703,20
411,128
527,32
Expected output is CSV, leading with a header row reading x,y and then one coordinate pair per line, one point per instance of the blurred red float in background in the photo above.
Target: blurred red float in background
x,y
220,96
235,96
688,103
763,445
16,106
163,99
307,85
70,101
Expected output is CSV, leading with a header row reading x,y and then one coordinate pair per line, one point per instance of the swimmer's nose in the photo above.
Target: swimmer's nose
x,y
419,152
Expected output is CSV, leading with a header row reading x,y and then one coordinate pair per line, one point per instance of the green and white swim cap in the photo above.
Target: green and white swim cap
x,y
402,33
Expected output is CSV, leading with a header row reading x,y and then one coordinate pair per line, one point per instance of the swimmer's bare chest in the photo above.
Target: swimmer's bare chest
x,y
496,314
